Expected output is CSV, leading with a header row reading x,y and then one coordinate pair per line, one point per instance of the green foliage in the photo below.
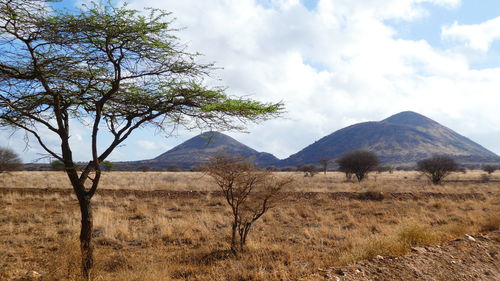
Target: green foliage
x,y
57,165
108,165
9,160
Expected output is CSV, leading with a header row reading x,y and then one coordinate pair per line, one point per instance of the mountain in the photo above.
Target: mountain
x,y
401,139
199,149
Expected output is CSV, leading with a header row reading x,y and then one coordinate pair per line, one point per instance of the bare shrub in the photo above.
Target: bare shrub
x,y
248,191
437,167
358,163
9,160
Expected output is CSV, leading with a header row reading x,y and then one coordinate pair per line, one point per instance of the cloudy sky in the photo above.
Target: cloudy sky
x,y
335,63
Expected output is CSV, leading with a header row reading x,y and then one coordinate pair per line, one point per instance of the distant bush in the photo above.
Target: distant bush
x,y
382,169
108,165
490,169
57,165
324,162
358,163
289,169
144,168
437,168
174,168
308,169
272,169
9,160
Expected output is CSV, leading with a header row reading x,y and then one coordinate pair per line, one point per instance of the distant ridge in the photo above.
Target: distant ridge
x,y
399,140
200,148
402,139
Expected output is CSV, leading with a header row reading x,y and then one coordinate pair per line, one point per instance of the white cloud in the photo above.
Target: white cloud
x,y
332,66
147,145
475,36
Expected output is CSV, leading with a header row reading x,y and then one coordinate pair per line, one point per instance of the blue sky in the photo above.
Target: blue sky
x,y
335,63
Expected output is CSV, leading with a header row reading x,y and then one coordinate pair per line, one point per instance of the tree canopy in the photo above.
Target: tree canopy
x,y
358,162
106,67
9,160
437,167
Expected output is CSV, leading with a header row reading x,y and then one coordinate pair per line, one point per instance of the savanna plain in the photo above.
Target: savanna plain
x,y
176,226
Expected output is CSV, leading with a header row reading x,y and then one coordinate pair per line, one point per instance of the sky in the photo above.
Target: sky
x,y
333,63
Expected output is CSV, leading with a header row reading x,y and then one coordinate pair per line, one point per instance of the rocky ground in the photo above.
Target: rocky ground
x,y
468,258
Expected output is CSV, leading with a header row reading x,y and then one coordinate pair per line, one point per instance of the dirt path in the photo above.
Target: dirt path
x,y
468,258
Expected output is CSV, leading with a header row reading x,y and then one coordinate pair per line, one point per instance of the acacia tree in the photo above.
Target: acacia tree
x,y
438,167
248,191
324,162
9,160
358,162
111,69
490,169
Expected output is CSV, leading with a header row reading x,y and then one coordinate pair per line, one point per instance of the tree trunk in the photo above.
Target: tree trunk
x,y
243,236
86,237
233,237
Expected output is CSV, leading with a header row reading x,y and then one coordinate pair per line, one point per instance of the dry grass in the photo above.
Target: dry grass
x,y
187,238
398,181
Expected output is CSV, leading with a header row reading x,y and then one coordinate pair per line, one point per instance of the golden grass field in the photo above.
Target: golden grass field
x,y
148,236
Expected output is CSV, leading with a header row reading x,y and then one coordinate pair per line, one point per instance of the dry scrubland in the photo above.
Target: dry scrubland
x,y
399,181
323,222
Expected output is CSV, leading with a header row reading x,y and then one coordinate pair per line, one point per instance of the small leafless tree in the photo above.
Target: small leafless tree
x,y
9,160
358,163
248,191
490,169
324,163
437,168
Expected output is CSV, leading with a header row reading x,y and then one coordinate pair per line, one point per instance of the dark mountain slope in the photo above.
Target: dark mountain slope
x,y
401,139
199,149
